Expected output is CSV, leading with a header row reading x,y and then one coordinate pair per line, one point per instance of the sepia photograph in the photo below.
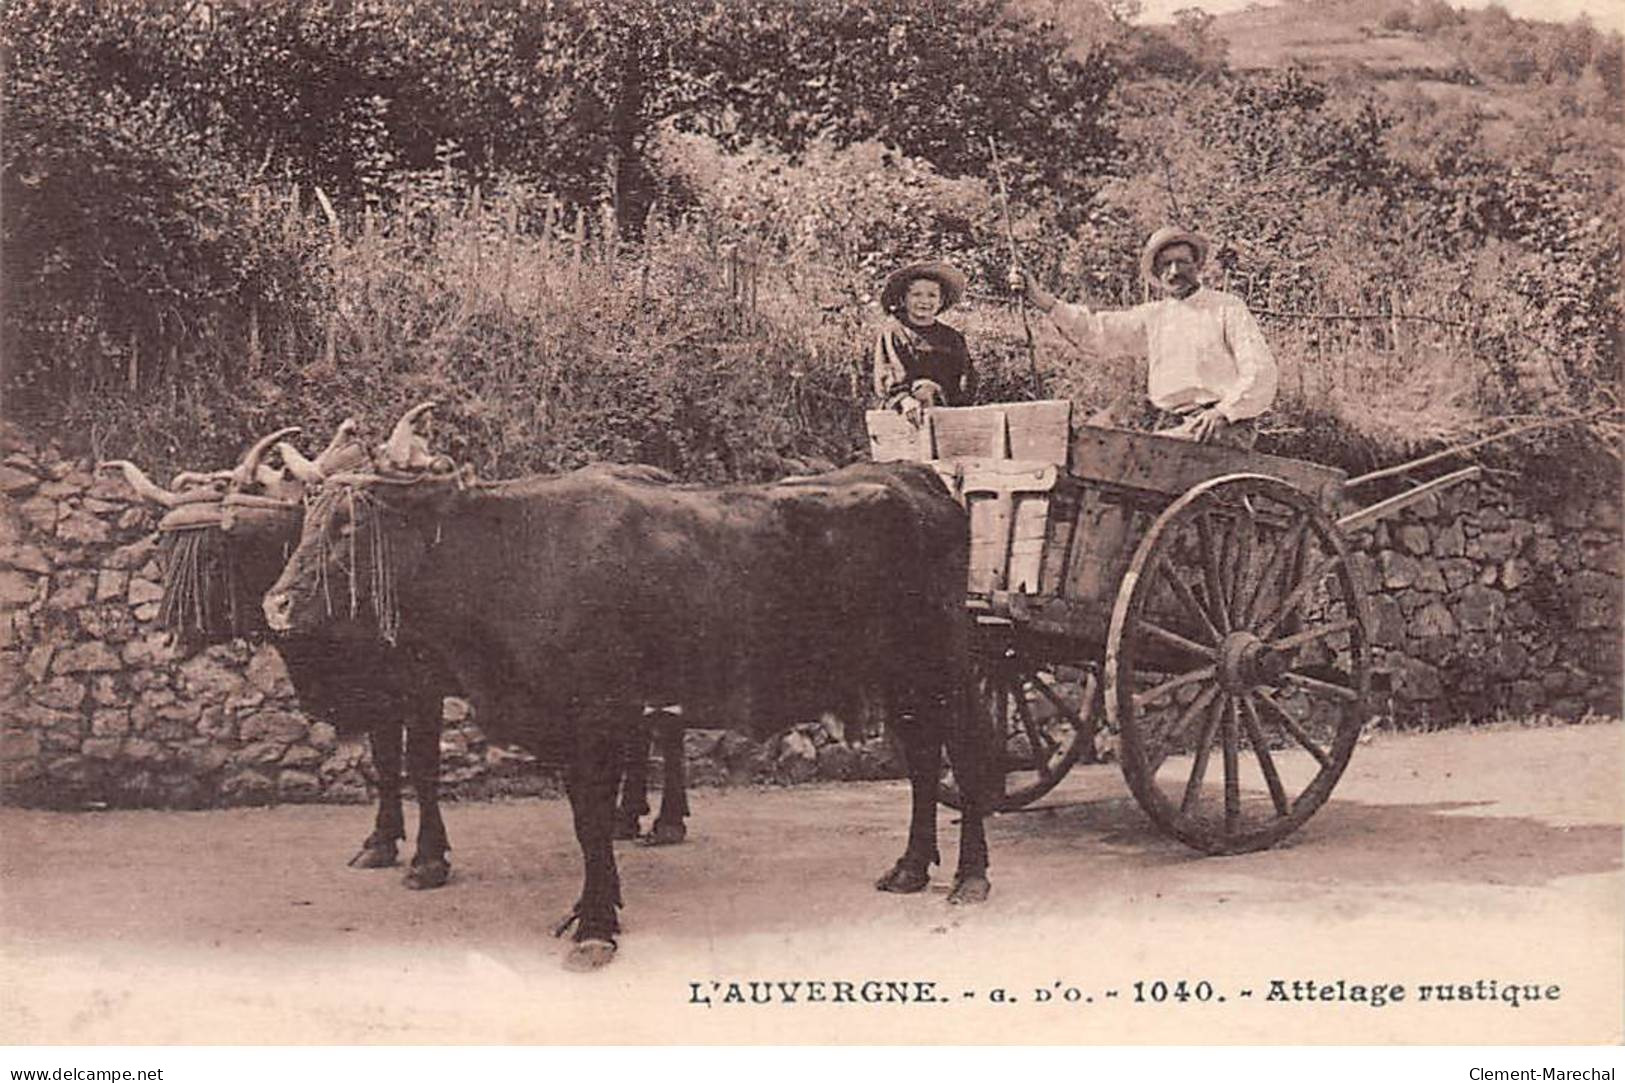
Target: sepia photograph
x,y
534,524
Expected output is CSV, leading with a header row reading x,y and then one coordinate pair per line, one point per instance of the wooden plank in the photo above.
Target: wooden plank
x,y
891,437
989,543
1004,476
1079,631
1103,545
1034,431
1028,537
996,531
1163,464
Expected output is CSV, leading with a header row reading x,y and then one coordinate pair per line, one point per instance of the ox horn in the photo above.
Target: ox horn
x,y
144,486
303,470
342,438
245,473
399,450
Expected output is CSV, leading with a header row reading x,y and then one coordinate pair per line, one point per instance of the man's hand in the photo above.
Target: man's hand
x,y
1022,283
1209,424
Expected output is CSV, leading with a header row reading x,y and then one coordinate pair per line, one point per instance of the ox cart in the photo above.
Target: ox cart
x,y
1203,596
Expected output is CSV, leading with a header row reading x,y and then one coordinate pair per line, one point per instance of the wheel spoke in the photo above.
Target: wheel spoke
x,y
1210,573
1292,727
1043,746
1163,735
1232,768
1225,529
1151,694
1187,598
1175,639
1249,657
1204,746
1273,567
1055,699
1245,532
1309,635
1288,605
999,718
1266,763
1320,687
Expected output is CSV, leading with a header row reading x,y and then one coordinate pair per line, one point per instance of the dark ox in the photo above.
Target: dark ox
x,y
223,540
563,604
225,537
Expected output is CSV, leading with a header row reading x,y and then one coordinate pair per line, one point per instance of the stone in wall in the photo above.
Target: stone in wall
x,y
1595,599
92,657
1478,607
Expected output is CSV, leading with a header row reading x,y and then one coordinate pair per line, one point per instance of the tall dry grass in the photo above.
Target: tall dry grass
x,y
550,343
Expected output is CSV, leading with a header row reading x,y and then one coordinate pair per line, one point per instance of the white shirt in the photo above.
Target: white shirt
x,y
1204,349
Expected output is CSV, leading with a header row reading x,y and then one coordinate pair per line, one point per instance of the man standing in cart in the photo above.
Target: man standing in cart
x,y
1209,373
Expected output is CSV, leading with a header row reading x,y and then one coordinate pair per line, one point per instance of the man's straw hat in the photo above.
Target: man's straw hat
x,y
1164,237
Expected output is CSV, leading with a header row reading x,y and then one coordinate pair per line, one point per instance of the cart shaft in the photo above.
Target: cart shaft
x,y
1382,508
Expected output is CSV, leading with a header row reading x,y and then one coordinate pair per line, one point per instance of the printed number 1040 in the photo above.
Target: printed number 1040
x,y
1160,992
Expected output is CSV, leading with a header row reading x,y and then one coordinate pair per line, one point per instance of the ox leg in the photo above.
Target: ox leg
x,y
635,781
974,766
378,851
590,781
669,828
922,747
430,867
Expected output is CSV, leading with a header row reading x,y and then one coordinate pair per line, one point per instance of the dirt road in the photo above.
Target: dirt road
x,y
1458,859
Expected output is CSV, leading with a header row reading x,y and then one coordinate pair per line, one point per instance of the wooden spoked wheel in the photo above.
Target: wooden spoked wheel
x,y
1038,720
1239,635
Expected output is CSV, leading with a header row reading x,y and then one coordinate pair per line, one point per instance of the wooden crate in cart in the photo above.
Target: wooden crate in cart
x,y
1203,594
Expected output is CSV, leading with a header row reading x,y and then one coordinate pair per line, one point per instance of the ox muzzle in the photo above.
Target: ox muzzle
x,y
278,608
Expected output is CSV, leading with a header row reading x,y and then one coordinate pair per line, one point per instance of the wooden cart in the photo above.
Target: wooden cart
x,y
1203,594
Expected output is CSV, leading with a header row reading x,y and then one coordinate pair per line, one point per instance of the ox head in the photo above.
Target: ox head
x,y
364,530
225,534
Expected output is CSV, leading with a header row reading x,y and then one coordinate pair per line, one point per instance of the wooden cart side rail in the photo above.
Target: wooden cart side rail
x,y
1163,464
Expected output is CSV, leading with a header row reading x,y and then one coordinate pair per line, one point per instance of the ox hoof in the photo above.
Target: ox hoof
x,y
591,954
626,828
970,889
904,880
428,874
374,855
665,835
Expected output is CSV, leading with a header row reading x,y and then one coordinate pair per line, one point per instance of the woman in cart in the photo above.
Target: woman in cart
x,y
919,361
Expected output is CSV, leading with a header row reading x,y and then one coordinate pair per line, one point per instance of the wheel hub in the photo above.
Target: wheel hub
x,y
1246,661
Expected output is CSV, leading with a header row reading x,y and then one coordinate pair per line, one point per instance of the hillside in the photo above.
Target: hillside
x,y
1331,35
1465,61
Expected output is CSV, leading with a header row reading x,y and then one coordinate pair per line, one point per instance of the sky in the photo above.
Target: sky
x,y
1607,14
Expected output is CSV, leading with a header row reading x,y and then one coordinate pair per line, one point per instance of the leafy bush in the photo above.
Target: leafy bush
x,y
135,246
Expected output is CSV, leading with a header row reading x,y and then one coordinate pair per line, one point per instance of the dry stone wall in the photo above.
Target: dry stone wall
x,y
1481,606
1484,606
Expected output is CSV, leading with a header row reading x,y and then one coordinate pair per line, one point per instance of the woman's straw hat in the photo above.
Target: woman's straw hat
x,y
944,274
